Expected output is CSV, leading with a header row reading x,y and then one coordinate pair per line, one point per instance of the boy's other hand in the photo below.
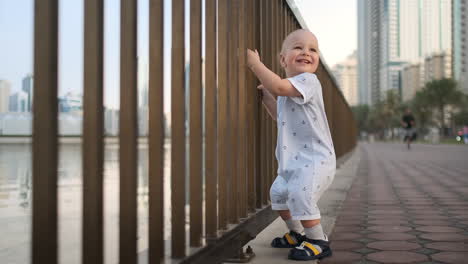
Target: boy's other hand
x,y
252,58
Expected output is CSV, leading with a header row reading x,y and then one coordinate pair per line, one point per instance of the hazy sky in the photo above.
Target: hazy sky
x,y
333,21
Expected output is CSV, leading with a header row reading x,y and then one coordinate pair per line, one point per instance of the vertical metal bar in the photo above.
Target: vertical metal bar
x,y
242,165
267,132
259,8
252,109
274,61
211,138
233,108
222,112
261,127
196,135
156,132
178,130
264,131
44,219
128,132
93,132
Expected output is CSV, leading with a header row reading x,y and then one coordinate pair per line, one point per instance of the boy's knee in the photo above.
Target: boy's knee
x,y
278,191
285,214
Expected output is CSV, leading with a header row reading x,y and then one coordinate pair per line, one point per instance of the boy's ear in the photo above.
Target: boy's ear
x,y
282,61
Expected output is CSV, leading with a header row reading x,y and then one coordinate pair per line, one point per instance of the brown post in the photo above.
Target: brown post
x,y
222,112
252,107
156,132
178,130
233,110
93,133
211,157
196,136
242,111
260,171
128,132
44,208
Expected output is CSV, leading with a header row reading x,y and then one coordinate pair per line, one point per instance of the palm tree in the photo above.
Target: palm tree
x,y
441,93
361,115
422,110
391,105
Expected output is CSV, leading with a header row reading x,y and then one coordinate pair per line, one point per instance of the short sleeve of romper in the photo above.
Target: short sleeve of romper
x,y
304,83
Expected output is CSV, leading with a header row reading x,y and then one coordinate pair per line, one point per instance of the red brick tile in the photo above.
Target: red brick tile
x,y
432,217
457,202
451,257
388,217
392,236
344,222
444,237
430,222
347,229
392,222
345,245
387,212
439,229
448,246
345,236
393,245
397,257
342,257
390,229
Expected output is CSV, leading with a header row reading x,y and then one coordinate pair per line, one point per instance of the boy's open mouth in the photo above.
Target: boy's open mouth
x,y
304,61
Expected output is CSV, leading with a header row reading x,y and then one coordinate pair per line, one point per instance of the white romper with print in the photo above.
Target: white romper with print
x,y
304,150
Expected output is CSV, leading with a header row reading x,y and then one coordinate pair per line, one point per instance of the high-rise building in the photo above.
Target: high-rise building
x,y
411,81
28,88
460,43
5,88
368,51
346,75
19,102
70,102
436,67
408,32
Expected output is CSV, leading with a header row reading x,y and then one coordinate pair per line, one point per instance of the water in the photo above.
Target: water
x,y
15,200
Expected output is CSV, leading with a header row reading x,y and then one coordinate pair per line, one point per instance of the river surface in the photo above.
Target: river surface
x,y
15,201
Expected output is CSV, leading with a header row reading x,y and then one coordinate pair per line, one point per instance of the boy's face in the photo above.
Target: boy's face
x,y
300,53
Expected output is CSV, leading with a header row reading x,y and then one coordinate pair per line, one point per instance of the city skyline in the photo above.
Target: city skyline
x,y
395,34
16,24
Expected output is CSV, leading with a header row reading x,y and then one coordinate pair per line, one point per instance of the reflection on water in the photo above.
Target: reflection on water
x,y
15,201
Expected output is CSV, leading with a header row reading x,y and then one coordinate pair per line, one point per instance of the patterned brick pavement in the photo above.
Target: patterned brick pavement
x,y
405,207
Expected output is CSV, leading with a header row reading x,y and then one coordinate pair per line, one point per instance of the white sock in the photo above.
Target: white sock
x,y
294,225
315,232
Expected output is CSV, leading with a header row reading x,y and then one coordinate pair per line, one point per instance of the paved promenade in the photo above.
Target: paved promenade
x,y
403,206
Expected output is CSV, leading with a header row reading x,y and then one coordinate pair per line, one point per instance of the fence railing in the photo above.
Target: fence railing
x,y
231,161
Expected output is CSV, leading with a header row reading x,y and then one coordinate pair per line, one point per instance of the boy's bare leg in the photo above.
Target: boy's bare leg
x,y
310,223
285,214
313,229
293,225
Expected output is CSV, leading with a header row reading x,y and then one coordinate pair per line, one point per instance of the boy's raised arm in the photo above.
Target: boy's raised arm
x,y
271,81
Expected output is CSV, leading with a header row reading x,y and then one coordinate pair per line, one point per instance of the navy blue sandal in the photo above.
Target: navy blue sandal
x,y
289,240
311,249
